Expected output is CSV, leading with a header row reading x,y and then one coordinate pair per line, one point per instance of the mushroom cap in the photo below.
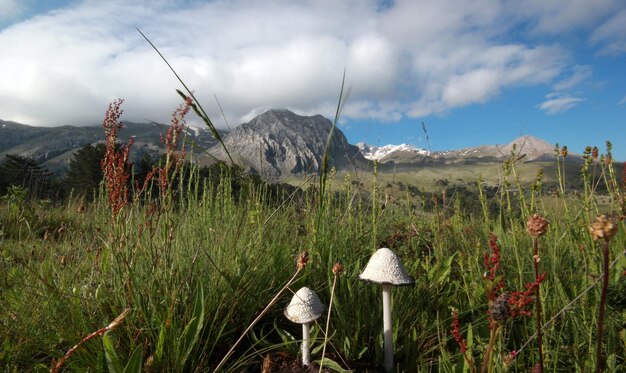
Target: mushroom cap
x,y
305,306
384,267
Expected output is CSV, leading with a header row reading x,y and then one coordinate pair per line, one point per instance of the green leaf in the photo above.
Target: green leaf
x,y
158,354
113,362
135,361
332,365
469,339
192,331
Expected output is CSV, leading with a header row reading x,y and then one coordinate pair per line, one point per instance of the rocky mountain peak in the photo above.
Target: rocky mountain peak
x,y
279,142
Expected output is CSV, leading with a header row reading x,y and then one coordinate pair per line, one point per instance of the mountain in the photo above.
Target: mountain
x,y
54,146
526,148
387,153
279,143
276,145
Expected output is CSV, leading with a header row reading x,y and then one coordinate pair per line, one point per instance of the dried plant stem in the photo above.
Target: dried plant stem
x,y
567,306
605,284
56,366
330,307
269,305
495,328
538,301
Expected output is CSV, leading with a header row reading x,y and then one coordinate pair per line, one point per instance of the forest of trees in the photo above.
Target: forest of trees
x,y
84,175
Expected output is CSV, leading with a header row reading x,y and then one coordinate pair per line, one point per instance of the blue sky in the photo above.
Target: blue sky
x,y
474,72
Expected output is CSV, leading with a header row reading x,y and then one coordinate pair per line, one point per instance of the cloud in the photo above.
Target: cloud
x,y
611,35
580,74
557,104
558,16
406,59
622,101
10,9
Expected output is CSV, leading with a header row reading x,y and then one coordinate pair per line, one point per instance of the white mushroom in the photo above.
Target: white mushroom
x,y
385,268
305,307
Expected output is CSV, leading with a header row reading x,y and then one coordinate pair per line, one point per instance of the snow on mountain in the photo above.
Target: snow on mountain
x,y
378,153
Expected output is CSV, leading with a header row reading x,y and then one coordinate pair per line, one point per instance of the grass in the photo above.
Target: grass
x,y
197,270
201,266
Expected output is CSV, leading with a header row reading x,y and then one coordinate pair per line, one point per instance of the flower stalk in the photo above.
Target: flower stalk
x,y
301,263
536,227
603,227
56,365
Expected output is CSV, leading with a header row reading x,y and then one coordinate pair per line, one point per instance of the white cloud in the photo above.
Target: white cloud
x,y
557,104
413,58
10,9
580,74
558,16
622,101
611,35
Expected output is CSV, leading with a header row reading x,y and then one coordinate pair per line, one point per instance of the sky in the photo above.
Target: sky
x,y
440,75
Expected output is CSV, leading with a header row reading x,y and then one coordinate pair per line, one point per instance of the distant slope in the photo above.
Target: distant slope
x,y
526,148
55,146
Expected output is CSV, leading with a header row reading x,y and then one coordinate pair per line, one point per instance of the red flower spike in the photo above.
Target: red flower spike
x,y
115,165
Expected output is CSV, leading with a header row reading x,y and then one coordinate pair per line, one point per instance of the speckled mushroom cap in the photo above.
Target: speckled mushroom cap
x,y
304,307
385,267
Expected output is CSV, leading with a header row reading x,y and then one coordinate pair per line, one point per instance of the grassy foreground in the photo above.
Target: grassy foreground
x,y
184,271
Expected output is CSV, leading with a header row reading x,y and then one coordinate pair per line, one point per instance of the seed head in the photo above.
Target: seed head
x,y
603,227
508,358
537,225
564,151
337,268
498,308
118,320
303,259
594,152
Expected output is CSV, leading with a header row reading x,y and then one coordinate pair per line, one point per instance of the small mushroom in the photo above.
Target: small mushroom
x,y
385,268
305,307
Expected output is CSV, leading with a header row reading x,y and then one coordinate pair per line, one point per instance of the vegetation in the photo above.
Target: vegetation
x,y
191,268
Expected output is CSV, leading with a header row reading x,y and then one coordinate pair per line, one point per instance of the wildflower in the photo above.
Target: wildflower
x,y
537,225
498,308
594,152
603,227
456,332
519,302
303,259
337,268
115,165
173,160
507,359
492,262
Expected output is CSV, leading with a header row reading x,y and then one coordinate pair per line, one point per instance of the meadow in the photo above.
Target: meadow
x,y
193,274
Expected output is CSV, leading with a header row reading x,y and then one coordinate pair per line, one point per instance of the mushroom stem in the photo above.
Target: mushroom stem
x,y
306,354
387,328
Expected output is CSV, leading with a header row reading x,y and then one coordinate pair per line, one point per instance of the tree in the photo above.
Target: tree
x,y
17,170
85,174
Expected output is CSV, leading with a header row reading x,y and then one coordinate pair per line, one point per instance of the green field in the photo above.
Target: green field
x,y
196,264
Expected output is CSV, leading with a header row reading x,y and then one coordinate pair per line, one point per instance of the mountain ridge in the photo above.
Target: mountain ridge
x,y
275,144
525,147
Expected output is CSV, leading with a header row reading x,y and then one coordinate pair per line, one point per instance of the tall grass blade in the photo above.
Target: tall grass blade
x,y
135,361
329,140
192,330
114,364
196,106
